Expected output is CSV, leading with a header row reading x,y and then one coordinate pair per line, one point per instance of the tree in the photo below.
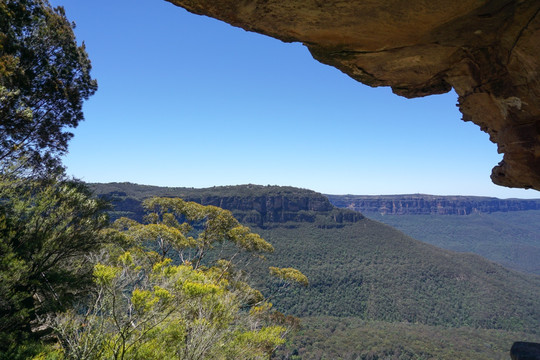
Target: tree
x,y
47,228
146,306
44,78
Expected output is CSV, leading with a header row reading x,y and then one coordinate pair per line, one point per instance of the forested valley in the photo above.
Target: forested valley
x,y
125,271
374,292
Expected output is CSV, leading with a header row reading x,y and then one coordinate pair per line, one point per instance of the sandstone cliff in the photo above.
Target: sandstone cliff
x,y
419,204
260,205
487,50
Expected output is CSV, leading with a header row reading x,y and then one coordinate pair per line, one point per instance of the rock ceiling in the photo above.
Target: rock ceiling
x,y
488,51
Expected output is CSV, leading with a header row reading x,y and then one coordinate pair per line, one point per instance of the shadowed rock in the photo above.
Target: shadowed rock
x,y
525,351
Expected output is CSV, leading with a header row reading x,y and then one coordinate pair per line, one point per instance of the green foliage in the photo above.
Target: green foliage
x,y
250,191
202,228
289,274
250,204
173,311
147,306
44,79
391,296
369,270
47,227
356,339
509,238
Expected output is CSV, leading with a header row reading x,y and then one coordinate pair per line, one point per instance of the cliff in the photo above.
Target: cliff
x,y
419,204
256,204
486,50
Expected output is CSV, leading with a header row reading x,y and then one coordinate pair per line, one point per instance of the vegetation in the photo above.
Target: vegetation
x,y
47,228
509,238
366,274
48,224
144,306
70,286
356,339
170,282
369,270
139,192
259,205
44,78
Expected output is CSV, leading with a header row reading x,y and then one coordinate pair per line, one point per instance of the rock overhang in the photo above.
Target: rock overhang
x,y
488,51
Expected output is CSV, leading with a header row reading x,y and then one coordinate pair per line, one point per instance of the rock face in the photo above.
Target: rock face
x,y
260,205
487,50
419,204
276,208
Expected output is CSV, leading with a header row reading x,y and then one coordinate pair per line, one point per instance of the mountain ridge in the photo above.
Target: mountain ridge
x,y
255,204
425,204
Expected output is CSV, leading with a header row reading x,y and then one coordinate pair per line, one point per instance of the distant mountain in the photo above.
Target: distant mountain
x,y
503,230
421,204
358,267
254,204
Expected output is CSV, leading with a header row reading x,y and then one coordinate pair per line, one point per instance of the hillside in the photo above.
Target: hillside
x,y
355,339
359,267
505,231
374,272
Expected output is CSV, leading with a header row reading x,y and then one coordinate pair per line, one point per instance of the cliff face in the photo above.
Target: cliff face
x,y
265,204
276,208
487,50
255,204
429,204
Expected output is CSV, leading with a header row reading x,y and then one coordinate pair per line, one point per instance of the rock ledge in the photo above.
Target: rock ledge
x,y
488,51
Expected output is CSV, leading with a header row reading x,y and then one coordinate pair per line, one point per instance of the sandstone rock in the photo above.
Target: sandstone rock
x,y
487,50
419,204
260,205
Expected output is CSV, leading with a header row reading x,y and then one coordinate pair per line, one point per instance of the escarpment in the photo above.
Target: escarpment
x,y
255,204
487,50
420,204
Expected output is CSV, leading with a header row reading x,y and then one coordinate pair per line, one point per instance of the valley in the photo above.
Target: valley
x,y
367,272
506,231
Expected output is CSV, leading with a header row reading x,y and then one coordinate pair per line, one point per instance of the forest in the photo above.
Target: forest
x,y
123,271
373,291
76,285
508,238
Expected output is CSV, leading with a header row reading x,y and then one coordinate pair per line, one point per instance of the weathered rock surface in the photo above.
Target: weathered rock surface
x,y
419,204
487,50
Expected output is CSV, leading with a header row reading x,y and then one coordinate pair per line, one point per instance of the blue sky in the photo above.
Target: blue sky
x,y
186,100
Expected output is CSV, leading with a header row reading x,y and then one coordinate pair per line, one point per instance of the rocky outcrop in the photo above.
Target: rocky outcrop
x,y
254,204
419,204
265,203
274,208
487,50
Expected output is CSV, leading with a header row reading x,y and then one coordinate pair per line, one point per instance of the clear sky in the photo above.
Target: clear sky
x,y
186,100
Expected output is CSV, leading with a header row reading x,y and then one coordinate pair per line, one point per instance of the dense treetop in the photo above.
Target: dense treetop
x,y
366,269
249,190
44,79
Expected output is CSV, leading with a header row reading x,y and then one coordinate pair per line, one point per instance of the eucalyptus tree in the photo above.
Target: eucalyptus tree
x,y
147,306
